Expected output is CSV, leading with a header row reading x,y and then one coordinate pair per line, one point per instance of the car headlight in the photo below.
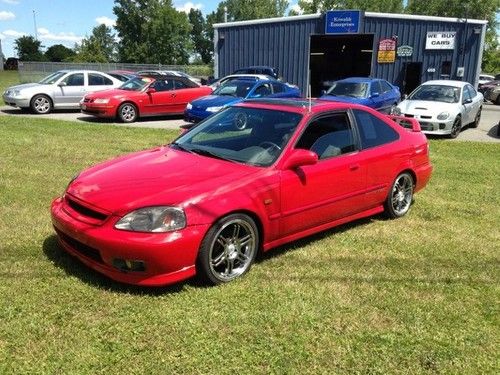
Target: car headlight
x,y
153,219
214,109
189,106
396,111
443,115
101,101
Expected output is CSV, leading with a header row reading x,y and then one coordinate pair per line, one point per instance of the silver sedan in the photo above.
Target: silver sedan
x,y
62,90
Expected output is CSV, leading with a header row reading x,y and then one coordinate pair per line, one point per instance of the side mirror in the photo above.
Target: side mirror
x,y
151,90
299,158
62,84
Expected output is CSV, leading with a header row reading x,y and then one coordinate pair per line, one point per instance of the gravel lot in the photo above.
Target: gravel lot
x,y
485,132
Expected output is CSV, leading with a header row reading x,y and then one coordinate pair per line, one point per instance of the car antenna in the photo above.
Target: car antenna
x,y
310,98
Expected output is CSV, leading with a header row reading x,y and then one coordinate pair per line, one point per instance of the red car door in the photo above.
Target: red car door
x,y
332,188
160,96
185,94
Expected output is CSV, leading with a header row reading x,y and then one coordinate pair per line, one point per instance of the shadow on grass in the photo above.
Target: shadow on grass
x,y
73,267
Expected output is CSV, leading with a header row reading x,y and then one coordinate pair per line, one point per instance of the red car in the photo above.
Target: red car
x,y
247,179
144,96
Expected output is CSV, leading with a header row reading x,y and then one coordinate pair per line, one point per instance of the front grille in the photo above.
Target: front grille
x,y
85,211
426,126
81,248
426,117
408,115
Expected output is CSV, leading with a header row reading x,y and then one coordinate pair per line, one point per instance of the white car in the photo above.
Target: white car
x,y
485,78
443,107
62,90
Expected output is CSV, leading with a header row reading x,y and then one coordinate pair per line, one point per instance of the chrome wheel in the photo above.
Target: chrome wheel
x,y
400,197
229,249
127,112
41,104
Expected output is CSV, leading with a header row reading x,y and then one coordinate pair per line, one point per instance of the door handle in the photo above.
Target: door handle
x,y
173,95
354,167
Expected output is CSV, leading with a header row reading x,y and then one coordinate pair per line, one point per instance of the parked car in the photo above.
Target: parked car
x,y
493,94
252,177
485,78
122,75
235,91
152,72
11,63
259,69
488,85
443,107
372,92
216,83
61,90
144,96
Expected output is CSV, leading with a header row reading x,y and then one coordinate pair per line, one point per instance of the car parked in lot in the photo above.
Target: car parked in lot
x,y
61,90
372,92
485,78
443,107
122,75
254,176
177,73
216,83
493,94
488,85
144,96
259,69
236,90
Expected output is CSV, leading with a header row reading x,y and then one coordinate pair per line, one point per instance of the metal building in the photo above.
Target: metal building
x,y
313,50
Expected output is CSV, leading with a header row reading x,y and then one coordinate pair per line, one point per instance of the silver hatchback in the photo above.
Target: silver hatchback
x,y
62,90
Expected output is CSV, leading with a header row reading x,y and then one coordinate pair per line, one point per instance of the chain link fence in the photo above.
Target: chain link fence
x,y
31,71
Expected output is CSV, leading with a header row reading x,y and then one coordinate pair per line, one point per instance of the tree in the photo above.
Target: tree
x,y
202,43
386,6
58,53
28,48
99,47
152,31
241,10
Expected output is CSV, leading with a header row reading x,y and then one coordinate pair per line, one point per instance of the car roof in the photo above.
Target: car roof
x,y
297,105
78,71
359,79
246,75
446,82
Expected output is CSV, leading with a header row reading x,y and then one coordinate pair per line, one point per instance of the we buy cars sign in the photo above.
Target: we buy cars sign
x,y
440,40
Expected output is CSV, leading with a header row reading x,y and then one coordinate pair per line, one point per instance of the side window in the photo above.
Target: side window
x,y
74,80
472,91
385,86
180,85
466,94
373,131
99,80
277,88
328,136
262,90
375,88
163,85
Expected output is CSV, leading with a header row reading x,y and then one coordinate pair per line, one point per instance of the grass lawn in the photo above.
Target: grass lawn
x,y
418,295
8,78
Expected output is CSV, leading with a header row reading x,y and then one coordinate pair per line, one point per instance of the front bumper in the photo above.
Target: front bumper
x,y
16,102
434,127
168,257
98,110
191,115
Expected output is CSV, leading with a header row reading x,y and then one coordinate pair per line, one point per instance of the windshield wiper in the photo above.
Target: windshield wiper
x,y
204,152
181,147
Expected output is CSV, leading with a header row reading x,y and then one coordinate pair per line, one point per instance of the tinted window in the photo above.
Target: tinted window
x,y
277,88
74,80
98,80
328,136
375,88
385,86
163,85
180,85
262,90
373,131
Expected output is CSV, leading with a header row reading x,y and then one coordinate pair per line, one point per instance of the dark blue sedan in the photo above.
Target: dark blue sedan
x,y
235,91
372,92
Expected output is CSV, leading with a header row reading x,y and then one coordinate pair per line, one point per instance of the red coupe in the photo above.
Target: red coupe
x,y
249,178
144,96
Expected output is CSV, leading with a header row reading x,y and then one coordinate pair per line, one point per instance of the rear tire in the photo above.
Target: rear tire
x,y
41,104
127,113
400,196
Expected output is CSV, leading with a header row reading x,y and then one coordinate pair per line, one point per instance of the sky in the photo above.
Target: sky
x,y
65,21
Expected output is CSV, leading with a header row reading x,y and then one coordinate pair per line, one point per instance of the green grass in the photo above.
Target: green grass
x,y
8,78
418,295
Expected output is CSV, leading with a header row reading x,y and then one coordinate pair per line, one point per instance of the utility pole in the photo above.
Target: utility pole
x,y
34,23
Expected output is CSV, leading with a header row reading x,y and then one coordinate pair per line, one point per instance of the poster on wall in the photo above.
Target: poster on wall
x,y
440,40
405,51
386,51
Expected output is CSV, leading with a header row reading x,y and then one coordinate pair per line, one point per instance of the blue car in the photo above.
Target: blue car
x,y
235,91
372,92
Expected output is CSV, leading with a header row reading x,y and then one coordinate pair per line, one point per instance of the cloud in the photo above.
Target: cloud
x,y
44,34
12,2
188,6
6,16
297,9
105,21
12,34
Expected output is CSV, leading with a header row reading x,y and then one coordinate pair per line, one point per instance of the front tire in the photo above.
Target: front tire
x,y
228,249
455,128
127,112
400,196
41,104
475,124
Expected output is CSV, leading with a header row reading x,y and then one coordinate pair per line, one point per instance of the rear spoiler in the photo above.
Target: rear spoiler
x,y
406,122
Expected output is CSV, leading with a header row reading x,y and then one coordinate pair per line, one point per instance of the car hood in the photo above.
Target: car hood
x,y
163,176
27,86
215,101
345,99
416,107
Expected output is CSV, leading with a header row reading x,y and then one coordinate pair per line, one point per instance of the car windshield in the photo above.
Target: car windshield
x,y
238,88
245,135
136,84
436,93
352,89
51,79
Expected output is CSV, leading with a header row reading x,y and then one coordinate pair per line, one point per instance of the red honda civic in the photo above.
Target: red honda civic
x,y
249,178
144,96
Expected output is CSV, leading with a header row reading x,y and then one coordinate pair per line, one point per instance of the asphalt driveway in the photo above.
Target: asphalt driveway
x,y
485,132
